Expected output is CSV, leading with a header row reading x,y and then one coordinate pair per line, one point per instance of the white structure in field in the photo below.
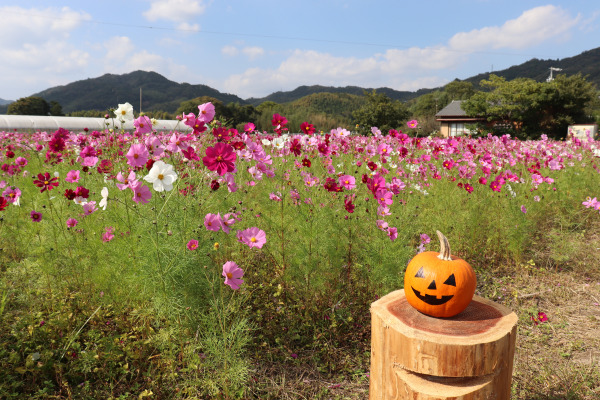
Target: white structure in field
x,y
77,124
581,131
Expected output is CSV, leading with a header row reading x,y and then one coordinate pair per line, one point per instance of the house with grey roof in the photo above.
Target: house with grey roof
x,y
454,120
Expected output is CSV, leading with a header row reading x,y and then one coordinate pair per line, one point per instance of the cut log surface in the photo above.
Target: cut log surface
x,y
415,356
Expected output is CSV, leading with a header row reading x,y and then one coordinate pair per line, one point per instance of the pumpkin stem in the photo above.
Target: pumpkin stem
x,y
444,247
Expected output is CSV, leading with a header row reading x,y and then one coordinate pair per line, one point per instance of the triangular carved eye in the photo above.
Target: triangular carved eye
x,y
450,281
420,273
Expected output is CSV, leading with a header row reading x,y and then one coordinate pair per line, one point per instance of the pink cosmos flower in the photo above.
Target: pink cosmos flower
x,y
125,181
249,127
348,182
233,275
253,237
206,112
220,158
89,208
425,239
137,155
192,245
12,194
21,161
381,224
384,197
392,233
35,216
72,176
72,222
412,123
212,222
274,197
523,209
141,192
589,203
226,222
142,124
108,234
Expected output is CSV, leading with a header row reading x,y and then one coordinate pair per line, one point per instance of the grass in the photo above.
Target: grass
x,y
143,317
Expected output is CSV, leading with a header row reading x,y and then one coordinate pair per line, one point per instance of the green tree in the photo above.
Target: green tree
x,y
191,106
55,108
526,109
380,111
32,105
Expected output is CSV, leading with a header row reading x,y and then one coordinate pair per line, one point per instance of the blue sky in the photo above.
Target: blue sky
x,y
256,47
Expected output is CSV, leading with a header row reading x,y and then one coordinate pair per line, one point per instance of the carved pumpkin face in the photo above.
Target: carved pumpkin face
x,y
439,284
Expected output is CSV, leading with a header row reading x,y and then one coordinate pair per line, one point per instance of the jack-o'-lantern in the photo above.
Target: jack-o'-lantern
x,y
439,284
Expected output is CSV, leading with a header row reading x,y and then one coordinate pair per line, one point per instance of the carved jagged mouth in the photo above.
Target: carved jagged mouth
x,y
431,300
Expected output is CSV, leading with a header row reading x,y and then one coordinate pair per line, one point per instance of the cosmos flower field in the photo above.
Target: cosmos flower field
x,y
263,227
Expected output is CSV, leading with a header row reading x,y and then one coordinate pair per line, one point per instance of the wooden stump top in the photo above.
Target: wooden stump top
x,y
478,317
482,320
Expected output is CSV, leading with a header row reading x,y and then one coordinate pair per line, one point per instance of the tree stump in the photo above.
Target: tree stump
x,y
418,357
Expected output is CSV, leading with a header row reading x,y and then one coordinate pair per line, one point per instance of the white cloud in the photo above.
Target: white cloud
x,y
175,10
402,69
229,51
26,25
253,52
186,26
531,28
35,48
118,48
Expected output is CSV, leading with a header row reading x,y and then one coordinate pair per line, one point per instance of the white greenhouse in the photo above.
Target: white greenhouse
x,y
77,124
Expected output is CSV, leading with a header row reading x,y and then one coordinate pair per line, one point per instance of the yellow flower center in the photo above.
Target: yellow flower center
x,y
219,158
161,176
253,240
229,275
45,182
135,156
123,112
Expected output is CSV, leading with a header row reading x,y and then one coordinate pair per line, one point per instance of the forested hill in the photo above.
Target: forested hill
x,y
301,91
158,93
586,63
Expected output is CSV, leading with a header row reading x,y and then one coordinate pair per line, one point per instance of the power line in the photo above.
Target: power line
x,y
276,37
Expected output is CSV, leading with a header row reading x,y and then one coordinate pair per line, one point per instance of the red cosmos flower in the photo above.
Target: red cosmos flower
x,y
45,182
10,154
70,194
348,204
295,147
105,167
306,162
307,128
214,185
3,203
220,158
323,149
190,154
372,166
332,186
279,120
82,192
221,134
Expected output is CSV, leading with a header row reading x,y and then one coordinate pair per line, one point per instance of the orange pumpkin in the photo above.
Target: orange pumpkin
x,y
439,284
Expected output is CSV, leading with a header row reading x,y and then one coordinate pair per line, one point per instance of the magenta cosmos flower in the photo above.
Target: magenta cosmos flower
x,y
72,222
35,216
192,244
253,237
233,275
220,158
137,155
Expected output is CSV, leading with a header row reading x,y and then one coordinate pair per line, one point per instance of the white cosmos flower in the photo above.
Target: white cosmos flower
x,y
124,112
104,200
161,176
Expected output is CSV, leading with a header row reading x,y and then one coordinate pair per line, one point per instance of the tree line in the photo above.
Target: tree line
x,y
521,107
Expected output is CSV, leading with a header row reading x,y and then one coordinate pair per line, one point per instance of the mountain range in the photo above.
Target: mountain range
x,y
160,93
